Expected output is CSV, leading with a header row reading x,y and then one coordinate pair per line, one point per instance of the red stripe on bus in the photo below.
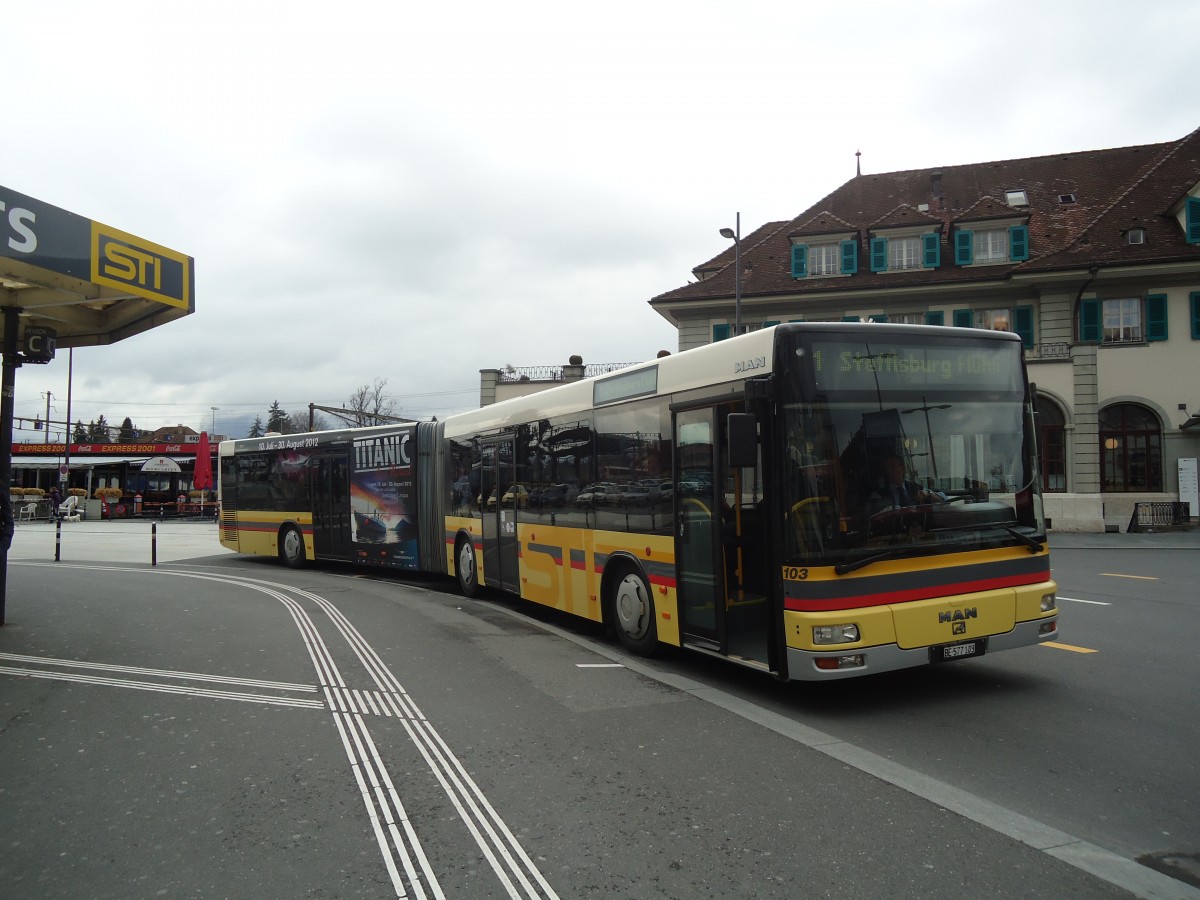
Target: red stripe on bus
x,y
922,593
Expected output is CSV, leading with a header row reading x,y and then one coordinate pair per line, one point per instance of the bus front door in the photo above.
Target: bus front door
x,y
499,501
698,558
331,506
721,542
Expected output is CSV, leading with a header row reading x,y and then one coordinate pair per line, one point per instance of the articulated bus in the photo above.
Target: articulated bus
x,y
734,499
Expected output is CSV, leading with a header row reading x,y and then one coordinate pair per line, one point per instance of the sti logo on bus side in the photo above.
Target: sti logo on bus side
x,y
749,365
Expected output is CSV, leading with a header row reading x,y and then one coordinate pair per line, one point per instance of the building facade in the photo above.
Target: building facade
x,y
1092,257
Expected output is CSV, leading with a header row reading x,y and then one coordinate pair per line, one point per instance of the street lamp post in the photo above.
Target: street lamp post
x,y
214,422
736,237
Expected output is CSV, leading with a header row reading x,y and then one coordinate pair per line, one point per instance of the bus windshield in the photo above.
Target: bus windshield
x,y
904,445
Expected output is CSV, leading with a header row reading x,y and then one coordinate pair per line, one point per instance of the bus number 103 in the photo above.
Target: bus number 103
x,y
794,573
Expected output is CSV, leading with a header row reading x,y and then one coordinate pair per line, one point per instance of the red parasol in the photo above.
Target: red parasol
x,y
202,478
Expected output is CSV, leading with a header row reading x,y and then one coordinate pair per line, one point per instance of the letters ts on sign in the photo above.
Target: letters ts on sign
x,y
39,343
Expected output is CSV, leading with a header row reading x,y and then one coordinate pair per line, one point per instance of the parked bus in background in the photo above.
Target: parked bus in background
x,y
734,499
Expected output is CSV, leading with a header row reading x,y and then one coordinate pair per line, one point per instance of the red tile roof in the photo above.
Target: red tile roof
x,y
1113,190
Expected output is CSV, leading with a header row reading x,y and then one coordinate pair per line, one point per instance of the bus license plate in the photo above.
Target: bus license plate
x,y
949,652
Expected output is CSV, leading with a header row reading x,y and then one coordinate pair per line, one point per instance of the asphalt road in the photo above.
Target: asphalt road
x,y
216,726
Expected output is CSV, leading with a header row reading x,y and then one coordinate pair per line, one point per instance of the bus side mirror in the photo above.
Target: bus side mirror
x,y
742,433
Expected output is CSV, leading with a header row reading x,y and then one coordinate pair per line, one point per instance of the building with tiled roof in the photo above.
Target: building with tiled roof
x,y
1092,257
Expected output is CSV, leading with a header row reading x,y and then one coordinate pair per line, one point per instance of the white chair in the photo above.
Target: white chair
x,y
67,510
27,512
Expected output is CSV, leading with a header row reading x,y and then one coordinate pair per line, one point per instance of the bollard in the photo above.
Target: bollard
x,y
58,540
154,543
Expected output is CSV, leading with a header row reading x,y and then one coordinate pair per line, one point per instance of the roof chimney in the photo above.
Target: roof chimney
x,y
935,185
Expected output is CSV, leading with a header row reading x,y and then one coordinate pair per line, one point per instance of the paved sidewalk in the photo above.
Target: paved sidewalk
x,y
120,541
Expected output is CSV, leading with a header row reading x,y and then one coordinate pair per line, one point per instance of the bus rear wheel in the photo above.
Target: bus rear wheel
x,y
633,614
291,547
466,569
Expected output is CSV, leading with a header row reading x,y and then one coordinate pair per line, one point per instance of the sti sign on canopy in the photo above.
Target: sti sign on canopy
x,y
84,282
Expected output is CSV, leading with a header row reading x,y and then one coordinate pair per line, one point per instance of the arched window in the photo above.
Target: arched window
x,y
1130,449
1052,445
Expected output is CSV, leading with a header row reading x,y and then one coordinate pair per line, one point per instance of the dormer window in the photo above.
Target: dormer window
x,y
1136,236
905,252
824,259
825,256
991,245
1016,198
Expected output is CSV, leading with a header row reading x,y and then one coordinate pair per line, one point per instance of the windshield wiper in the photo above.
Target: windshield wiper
x,y
1033,545
846,567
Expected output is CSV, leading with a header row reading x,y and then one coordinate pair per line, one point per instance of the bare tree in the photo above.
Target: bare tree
x,y
370,402
298,423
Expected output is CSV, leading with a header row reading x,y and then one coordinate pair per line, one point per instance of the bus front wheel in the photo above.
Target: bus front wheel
x,y
465,568
633,614
291,547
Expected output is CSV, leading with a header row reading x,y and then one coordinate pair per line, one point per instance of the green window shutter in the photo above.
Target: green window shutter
x,y
851,318
931,246
879,317
935,317
1023,325
1192,214
964,248
1018,243
799,260
1156,317
1194,296
879,254
770,324
1089,321
720,332
849,257
964,318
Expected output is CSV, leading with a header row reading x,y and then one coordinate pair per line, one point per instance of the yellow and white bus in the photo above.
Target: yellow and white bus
x,y
733,499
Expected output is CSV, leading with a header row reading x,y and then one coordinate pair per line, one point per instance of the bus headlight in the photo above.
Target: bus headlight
x,y
835,634
1048,602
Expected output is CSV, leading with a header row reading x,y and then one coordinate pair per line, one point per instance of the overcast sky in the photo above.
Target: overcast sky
x,y
416,191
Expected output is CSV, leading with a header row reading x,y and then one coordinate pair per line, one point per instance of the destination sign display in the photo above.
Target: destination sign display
x,y
883,366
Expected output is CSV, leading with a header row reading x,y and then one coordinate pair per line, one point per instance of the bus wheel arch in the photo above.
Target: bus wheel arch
x,y
629,606
466,565
291,546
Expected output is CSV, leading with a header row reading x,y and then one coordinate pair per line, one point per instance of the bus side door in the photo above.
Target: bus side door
x,y
500,517
331,505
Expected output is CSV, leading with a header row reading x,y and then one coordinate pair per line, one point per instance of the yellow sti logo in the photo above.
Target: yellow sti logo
x,y
139,267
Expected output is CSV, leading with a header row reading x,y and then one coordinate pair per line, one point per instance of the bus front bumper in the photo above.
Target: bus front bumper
x,y
803,666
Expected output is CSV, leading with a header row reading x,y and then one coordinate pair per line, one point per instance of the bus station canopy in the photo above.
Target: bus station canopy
x,y
81,283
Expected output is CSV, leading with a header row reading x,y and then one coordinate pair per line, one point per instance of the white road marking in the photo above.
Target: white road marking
x,y
208,693
1076,600
510,863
